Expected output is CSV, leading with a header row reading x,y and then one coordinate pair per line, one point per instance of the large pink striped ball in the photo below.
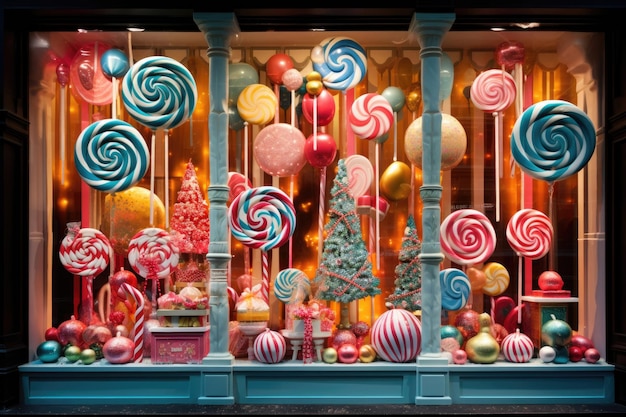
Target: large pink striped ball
x,y
517,347
397,336
270,347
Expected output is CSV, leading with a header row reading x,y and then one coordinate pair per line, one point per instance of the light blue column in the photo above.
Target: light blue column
x,y
218,28
432,372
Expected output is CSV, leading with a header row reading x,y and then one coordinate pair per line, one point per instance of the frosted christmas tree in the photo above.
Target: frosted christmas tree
x,y
345,271
408,272
190,220
190,228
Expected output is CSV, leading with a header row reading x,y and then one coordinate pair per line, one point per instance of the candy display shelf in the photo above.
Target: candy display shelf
x,y
292,382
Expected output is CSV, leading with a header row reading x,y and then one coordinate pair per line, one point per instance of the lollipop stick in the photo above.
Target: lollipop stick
x,y
62,135
88,300
377,206
348,97
519,291
265,284
293,108
167,175
315,123
320,215
152,152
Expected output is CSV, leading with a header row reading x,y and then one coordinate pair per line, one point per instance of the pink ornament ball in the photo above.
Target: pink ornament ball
x,y
397,336
343,337
459,357
270,347
517,347
348,353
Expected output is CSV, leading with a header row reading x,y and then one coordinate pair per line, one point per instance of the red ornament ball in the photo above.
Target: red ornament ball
x,y
320,150
320,107
276,67
550,281
575,354
467,323
459,356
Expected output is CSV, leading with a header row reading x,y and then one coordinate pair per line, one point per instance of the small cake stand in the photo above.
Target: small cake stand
x,y
296,339
251,329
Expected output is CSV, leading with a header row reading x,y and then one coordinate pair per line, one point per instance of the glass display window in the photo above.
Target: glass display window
x,y
489,81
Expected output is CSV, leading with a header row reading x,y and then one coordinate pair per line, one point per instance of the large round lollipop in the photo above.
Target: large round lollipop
x,y
529,232
86,252
467,237
371,116
552,140
341,61
153,255
262,218
455,289
111,155
159,92
292,285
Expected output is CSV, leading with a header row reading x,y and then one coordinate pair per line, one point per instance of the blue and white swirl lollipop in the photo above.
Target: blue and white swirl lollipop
x,y
455,289
552,140
159,92
111,155
341,62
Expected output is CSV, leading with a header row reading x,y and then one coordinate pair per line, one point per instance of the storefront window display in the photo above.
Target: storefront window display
x,y
298,134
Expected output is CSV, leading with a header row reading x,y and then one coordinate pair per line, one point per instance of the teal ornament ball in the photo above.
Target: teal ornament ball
x,y
49,351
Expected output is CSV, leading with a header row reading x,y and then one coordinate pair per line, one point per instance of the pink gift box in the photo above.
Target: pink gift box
x,y
179,344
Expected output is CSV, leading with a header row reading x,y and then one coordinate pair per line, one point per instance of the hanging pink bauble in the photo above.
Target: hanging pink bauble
x,y
325,107
453,142
324,154
276,67
279,149
292,79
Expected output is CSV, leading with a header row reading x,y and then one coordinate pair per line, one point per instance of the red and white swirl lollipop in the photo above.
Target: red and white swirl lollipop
x,y
371,116
262,218
152,254
467,237
86,252
237,183
529,233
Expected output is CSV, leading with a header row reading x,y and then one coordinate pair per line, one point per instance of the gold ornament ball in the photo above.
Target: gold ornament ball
x,y
453,142
329,355
395,183
483,348
314,88
126,213
367,354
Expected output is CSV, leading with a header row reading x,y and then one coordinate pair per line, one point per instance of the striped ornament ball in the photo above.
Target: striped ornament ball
x,y
270,347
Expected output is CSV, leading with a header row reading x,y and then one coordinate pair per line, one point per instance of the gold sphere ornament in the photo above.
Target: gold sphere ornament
x,y
395,183
483,348
367,354
453,142
314,88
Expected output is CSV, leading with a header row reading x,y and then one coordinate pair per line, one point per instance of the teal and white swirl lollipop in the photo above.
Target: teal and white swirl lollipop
x,y
292,286
552,140
455,289
159,92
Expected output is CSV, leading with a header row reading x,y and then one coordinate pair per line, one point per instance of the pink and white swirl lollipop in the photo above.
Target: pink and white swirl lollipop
x,y
371,116
467,237
111,155
493,90
360,175
529,233
159,92
152,254
237,183
87,253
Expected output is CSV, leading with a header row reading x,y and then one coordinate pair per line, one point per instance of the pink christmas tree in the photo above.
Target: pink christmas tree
x,y
190,222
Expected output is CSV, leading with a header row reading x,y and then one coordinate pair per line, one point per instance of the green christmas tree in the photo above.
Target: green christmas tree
x,y
345,271
408,272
